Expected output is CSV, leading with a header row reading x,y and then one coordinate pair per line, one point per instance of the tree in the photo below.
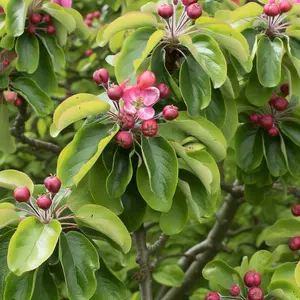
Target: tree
x,y
173,130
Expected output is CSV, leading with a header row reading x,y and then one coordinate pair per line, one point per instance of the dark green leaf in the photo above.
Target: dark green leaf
x,y
169,275
9,145
291,130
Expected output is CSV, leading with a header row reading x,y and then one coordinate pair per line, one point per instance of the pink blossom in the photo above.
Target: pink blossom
x,y
140,101
63,3
297,1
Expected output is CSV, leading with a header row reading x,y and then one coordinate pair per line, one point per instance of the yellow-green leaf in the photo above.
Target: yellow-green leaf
x,y
11,179
249,10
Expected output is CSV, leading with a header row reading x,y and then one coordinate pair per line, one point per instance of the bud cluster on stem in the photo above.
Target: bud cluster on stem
x,y
92,16
41,22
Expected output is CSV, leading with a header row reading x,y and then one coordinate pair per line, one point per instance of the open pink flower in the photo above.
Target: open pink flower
x,y
140,101
63,3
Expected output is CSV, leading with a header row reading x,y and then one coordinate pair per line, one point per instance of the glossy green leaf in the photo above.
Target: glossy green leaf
x,y
231,88
74,109
7,42
20,287
9,146
173,221
121,173
45,287
30,91
32,244
130,20
162,169
79,260
8,215
268,61
280,232
16,12
248,147
109,286
106,222
293,157
297,274
116,42
11,179
61,33
216,111
286,271
58,13
290,290
55,51
291,130
134,207
154,39
260,260
221,273
228,38
230,125
274,156
248,10
158,67
195,86
82,30
27,48
292,48
169,275
200,128
134,45
207,53
81,154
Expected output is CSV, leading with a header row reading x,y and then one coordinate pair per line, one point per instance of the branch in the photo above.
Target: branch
x,y
158,244
18,131
205,251
145,276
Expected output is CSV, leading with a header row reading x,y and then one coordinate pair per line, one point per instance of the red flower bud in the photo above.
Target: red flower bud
x,y
22,194
146,79
149,128
165,11
194,11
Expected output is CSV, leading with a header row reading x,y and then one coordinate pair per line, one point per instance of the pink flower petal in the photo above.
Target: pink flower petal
x,y
146,113
66,3
123,85
131,93
128,108
150,95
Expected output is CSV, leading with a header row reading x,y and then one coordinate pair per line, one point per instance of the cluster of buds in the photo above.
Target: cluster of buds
x,y
294,242
252,281
273,9
273,113
133,106
40,22
46,207
191,11
12,96
89,17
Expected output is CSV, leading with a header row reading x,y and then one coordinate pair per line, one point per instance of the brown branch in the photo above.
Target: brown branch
x,y
18,131
145,275
206,250
158,244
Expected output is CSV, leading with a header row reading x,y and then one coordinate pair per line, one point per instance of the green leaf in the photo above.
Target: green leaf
x,y
231,121
291,130
32,244
9,146
20,287
134,207
7,42
11,179
280,232
209,56
162,169
195,86
109,286
221,273
291,291
293,157
81,154
255,195
173,221
58,13
27,48
82,30
30,91
228,38
260,260
8,215
297,274
246,11
74,109
274,156
130,20
158,67
154,39
134,45
106,222
79,260
4,82
45,287
216,111
55,51
248,147
44,75
286,271
292,48
268,62
169,275
61,33
200,128
121,173
257,94
16,12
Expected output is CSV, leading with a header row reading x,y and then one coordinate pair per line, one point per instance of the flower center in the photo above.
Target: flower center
x,y
139,102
